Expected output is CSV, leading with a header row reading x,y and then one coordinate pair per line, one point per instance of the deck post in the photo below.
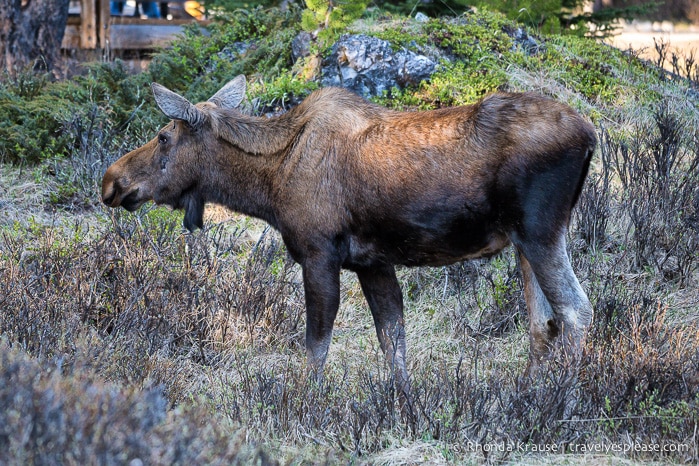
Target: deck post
x,y
105,23
88,24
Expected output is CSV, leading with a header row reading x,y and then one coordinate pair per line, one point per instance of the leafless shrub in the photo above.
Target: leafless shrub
x,y
594,208
674,65
684,65
544,401
642,377
455,402
659,176
51,414
662,49
266,293
128,304
147,287
151,309
489,294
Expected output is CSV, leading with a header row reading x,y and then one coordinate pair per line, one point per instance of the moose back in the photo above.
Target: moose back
x,y
353,185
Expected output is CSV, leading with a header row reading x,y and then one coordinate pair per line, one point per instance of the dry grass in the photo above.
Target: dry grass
x,y
125,338
145,318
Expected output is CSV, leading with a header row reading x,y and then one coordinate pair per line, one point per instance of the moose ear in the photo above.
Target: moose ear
x,y
175,106
230,95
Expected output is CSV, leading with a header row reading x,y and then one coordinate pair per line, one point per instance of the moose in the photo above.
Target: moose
x,y
350,184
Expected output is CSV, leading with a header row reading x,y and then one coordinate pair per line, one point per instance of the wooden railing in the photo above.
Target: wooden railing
x,y
95,28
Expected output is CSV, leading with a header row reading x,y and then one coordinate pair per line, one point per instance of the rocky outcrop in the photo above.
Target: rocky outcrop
x,y
370,66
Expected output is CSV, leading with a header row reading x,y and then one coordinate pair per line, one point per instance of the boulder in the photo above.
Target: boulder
x,y
529,45
370,66
301,45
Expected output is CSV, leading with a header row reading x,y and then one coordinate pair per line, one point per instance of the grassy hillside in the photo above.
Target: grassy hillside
x,y
122,337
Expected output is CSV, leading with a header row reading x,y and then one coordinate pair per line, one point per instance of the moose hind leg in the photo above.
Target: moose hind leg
x,y
382,291
553,274
542,325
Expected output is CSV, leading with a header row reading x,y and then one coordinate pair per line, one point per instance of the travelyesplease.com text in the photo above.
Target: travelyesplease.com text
x,y
578,448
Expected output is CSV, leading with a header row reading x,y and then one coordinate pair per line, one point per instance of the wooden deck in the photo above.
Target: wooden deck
x,y
94,28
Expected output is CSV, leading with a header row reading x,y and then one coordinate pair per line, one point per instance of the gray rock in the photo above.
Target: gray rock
x,y
530,45
301,45
231,53
369,66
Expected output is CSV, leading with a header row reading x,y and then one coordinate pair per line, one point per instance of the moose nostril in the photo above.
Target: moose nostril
x,y
110,188
108,200
109,193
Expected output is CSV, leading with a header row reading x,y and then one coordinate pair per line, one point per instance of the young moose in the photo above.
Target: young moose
x,y
353,185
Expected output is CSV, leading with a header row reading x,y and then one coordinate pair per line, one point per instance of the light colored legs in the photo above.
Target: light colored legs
x,y
556,302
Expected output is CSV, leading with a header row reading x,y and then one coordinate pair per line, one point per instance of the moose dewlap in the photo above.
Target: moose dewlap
x,y
353,185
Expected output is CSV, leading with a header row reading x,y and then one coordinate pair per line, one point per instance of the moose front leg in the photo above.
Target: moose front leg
x,y
321,280
382,291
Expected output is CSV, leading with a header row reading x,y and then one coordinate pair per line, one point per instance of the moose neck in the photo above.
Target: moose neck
x,y
242,183
244,176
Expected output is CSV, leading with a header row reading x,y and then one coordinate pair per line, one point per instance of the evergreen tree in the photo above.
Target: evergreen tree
x,y
548,16
327,17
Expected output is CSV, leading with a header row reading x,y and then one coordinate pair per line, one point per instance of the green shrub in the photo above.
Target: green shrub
x,y
37,115
30,121
251,42
329,18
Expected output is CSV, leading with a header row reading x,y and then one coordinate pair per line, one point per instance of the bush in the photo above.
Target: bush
x,y
55,413
659,173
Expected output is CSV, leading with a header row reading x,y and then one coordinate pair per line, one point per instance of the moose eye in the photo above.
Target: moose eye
x,y
162,139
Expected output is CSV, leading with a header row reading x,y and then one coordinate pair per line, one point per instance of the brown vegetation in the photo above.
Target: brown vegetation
x,y
137,317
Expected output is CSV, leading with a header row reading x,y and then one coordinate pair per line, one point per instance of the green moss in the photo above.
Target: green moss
x,y
462,83
166,219
404,99
481,49
600,73
591,74
484,58
330,19
472,36
282,89
407,34
542,14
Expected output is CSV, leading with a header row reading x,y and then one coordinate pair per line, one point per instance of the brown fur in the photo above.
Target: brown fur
x,y
350,184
